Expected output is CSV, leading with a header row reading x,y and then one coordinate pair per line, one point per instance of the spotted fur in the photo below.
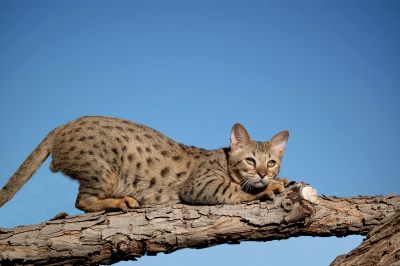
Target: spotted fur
x,y
122,164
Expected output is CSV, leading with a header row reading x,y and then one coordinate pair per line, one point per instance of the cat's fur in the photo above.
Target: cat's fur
x,y
121,164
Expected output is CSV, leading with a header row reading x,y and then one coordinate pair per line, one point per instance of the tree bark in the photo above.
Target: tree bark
x,y
380,248
94,238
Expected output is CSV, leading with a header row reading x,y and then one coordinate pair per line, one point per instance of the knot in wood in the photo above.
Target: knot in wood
x,y
287,205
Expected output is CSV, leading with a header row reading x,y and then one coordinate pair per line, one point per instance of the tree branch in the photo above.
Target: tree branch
x,y
94,238
381,247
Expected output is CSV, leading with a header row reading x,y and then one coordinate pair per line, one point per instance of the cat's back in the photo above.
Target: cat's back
x,y
93,139
108,130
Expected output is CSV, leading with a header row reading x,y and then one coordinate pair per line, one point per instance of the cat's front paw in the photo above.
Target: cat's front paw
x,y
274,187
284,181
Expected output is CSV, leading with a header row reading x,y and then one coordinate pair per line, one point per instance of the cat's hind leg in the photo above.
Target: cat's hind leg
x,y
97,194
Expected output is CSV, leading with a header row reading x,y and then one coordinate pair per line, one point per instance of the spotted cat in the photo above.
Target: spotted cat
x,y
122,164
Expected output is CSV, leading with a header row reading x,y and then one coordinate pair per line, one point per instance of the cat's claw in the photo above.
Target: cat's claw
x,y
128,203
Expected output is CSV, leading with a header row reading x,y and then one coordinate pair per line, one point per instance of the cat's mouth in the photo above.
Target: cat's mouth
x,y
254,182
261,182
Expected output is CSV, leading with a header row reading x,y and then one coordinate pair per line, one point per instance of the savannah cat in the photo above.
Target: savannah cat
x,y
122,164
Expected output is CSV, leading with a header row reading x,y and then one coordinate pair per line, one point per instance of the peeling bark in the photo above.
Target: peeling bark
x,y
94,238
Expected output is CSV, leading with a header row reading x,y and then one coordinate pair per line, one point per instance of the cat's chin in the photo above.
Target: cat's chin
x,y
258,184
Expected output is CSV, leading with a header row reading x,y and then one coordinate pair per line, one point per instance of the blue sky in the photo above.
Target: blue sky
x,y
328,71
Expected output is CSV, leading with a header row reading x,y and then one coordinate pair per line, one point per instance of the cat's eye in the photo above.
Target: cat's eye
x,y
250,161
271,163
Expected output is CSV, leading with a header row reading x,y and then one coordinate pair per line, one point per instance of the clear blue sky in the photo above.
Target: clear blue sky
x,y
328,71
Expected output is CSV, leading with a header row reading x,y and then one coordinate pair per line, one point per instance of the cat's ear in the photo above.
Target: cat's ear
x,y
279,141
239,137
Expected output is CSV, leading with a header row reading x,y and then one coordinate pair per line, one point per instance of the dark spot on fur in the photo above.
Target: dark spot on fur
x,y
139,149
138,165
188,165
103,143
95,122
148,149
107,127
177,158
91,137
160,190
124,148
114,150
148,136
102,132
96,146
91,152
82,152
72,148
130,157
165,153
118,139
158,197
157,146
149,161
98,172
85,164
138,138
82,139
180,174
119,128
126,138
152,182
164,172
136,179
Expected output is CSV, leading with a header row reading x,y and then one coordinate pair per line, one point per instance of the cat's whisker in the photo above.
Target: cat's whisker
x,y
246,184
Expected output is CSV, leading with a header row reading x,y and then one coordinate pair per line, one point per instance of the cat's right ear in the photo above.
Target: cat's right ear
x,y
239,137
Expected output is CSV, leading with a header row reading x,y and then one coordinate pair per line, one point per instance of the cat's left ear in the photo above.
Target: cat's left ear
x,y
279,141
239,137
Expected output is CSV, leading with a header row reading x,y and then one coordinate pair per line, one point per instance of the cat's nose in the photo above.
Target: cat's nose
x,y
262,174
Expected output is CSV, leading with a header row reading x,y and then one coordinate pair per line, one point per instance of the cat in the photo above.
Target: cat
x,y
122,164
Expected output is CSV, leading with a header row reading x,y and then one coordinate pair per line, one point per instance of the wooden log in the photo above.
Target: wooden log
x,y
105,238
380,248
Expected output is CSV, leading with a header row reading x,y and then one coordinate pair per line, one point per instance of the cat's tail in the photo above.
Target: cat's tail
x,y
27,169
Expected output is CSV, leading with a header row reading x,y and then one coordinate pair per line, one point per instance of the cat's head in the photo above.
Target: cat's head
x,y
255,163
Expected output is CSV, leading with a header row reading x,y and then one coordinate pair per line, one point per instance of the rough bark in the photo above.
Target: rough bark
x,y
94,238
380,248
